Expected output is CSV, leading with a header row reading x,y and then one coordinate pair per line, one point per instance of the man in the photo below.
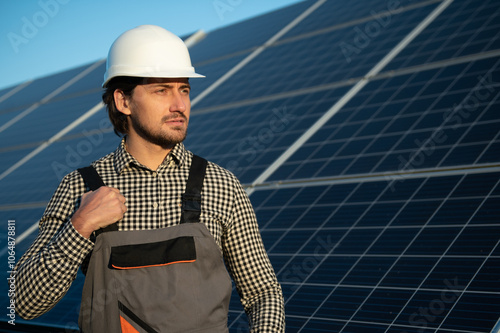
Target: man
x,y
158,223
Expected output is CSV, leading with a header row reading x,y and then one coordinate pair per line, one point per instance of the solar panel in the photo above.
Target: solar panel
x,y
409,124
394,249
366,134
288,65
244,36
36,91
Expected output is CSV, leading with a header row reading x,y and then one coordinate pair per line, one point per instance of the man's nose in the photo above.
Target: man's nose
x,y
178,103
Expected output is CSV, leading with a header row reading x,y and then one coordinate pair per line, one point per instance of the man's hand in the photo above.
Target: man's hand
x,y
99,209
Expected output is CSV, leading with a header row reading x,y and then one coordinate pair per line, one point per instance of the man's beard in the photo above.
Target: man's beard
x,y
166,140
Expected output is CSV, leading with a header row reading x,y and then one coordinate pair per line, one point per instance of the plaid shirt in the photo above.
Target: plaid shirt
x,y
47,269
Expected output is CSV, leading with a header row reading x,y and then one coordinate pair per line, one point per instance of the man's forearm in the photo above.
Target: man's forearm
x,y
266,311
44,276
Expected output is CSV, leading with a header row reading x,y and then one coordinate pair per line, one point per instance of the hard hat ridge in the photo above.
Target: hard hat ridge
x,y
149,51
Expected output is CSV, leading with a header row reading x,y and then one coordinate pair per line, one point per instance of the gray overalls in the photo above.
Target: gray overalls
x,y
162,280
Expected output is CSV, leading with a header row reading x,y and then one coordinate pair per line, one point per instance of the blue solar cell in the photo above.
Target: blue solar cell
x,y
330,271
476,186
393,241
307,301
315,325
488,212
382,144
415,213
331,14
316,217
249,34
288,244
369,270
486,278
23,217
409,329
380,214
452,273
38,178
463,155
382,306
285,219
408,272
10,157
37,90
54,117
342,302
433,241
347,214
464,28
482,319
400,189
476,240
212,70
456,211
438,187
90,82
422,312
363,164
491,153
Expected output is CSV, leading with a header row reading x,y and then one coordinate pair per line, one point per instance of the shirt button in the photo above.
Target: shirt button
x,y
155,205
155,174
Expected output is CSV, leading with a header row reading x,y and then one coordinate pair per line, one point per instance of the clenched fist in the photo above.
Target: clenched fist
x,y
99,209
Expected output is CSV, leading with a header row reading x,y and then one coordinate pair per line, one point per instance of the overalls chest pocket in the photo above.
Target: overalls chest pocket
x,y
163,253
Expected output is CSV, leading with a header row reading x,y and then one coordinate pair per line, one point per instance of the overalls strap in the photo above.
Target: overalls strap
x,y
91,177
191,199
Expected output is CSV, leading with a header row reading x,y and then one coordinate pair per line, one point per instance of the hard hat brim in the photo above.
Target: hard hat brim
x,y
170,75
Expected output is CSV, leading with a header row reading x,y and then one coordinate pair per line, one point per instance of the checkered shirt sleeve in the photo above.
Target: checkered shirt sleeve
x,y
47,269
45,272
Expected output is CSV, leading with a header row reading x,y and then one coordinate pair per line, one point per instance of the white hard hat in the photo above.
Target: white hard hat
x,y
148,51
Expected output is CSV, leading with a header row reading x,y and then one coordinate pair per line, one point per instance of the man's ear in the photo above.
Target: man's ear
x,y
122,102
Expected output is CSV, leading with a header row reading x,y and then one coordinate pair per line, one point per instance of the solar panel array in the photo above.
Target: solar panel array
x,y
365,132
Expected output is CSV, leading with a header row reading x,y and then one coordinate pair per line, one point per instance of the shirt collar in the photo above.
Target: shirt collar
x,y
122,158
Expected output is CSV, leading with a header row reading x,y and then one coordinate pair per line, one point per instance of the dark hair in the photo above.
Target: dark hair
x,y
126,84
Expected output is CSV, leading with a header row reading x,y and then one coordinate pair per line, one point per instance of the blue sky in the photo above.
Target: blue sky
x,y
42,37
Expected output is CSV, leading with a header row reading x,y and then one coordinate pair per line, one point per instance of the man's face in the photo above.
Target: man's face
x,y
159,111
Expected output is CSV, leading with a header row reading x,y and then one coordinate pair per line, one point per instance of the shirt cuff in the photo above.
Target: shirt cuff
x,y
73,245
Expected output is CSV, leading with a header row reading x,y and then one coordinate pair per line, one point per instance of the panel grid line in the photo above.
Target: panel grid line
x,y
14,90
442,125
50,96
370,246
374,323
377,136
477,31
400,255
415,153
255,53
449,246
469,283
350,81
54,138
